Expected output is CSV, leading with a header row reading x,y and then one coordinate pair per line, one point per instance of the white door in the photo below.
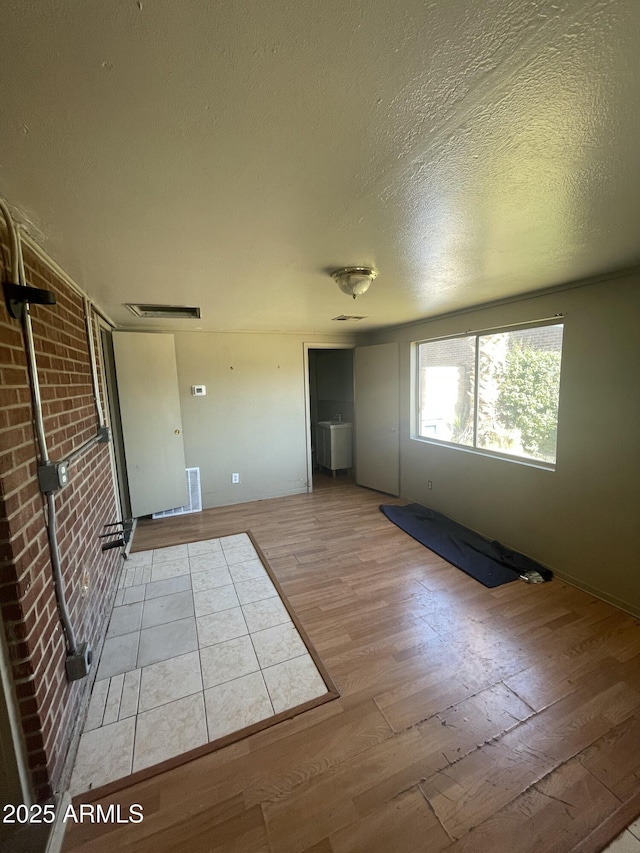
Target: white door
x,y
151,421
377,416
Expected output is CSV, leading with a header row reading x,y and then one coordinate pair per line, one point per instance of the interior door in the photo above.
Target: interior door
x,y
151,421
377,416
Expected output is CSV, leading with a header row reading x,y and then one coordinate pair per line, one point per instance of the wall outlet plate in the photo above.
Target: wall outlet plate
x,y
199,390
52,476
235,478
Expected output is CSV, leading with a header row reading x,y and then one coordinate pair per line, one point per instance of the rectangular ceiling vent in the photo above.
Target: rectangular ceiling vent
x,y
164,312
349,318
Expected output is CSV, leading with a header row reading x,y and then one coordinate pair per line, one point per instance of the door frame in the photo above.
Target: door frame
x,y
307,398
15,783
112,407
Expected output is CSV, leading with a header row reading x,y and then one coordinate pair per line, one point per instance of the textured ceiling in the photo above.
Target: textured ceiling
x,y
229,154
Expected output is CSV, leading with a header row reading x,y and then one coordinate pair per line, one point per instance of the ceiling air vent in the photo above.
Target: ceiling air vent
x,y
164,312
349,318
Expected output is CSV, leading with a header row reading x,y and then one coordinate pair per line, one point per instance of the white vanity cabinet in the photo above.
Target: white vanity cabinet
x,y
334,445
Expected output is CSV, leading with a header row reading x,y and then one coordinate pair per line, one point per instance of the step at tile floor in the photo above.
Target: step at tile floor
x,y
628,841
199,646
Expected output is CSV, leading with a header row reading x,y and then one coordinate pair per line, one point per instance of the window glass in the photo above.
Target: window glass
x,y
509,407
447,390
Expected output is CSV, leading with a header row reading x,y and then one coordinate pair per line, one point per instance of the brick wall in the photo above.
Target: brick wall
x,y
50,707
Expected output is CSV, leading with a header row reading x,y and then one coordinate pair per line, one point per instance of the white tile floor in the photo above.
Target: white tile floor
x,y
628,841
199,646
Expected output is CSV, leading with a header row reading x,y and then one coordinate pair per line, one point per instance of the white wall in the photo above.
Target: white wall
x,y
582,519
252,420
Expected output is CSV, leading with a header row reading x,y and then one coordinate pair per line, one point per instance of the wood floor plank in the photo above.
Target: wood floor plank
x,y
578,720
483,782
446,738
555,811
613,759
311,752
242,833
379,774
541,686
325,804
465,794
470,719
405,823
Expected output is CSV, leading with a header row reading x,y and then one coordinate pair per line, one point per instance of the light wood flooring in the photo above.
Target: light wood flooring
x,y
469,719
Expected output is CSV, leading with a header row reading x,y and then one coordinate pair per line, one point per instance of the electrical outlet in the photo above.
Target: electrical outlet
x,y
235,478
429,484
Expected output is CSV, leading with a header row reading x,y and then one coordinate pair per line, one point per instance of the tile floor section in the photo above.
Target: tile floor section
x,y
199,646
628,841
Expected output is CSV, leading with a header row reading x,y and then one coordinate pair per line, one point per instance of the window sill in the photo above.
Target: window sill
x,y
491,454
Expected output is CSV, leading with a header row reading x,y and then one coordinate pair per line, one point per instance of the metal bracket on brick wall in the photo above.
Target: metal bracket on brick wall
x,y
122,532
104,435
17,296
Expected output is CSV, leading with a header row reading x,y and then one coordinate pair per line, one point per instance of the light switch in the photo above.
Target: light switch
x,y
199,390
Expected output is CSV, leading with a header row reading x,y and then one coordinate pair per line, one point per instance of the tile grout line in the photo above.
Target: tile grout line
x,y
195,619
137,713
255,651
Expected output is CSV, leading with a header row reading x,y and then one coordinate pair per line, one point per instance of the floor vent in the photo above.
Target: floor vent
x,y
195,497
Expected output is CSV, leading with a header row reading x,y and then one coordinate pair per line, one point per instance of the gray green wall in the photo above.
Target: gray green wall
x,y
583,519
252,420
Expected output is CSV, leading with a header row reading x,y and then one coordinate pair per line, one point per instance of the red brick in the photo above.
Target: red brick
x,y
12,335
15,479
9,397
12,612
26,689
37,757
14,376
48,705
18,415
9,593
28,707
22,454
41,781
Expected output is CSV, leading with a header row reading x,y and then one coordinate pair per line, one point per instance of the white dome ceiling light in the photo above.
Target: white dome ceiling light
x,y
354,281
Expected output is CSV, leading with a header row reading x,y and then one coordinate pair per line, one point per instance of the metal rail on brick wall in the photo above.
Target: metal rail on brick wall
x,y
122,533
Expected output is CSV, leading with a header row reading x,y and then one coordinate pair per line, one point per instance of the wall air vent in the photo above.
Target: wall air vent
x,y
164,312
195,497
349,318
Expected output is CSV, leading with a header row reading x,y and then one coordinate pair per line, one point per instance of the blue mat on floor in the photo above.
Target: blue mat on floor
x,y
488,562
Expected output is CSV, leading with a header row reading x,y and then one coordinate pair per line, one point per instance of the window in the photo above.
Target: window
x,y
497,391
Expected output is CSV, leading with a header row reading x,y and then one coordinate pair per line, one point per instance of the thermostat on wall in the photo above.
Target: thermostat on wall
x,y
199,390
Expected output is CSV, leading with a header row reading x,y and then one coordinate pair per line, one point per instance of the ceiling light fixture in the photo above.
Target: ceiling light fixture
x,y
354,281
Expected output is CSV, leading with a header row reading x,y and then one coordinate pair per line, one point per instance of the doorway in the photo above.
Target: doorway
x,y
329,392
